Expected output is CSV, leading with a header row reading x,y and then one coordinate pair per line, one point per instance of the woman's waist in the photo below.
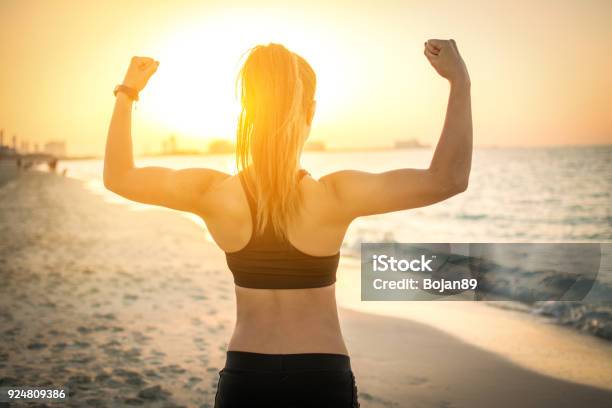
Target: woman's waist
x,y
305,333
288,317
288,324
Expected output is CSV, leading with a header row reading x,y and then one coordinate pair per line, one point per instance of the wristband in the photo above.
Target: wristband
x,y
130,92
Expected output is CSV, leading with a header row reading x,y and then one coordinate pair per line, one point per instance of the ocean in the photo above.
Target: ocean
x,y
560,194
516,195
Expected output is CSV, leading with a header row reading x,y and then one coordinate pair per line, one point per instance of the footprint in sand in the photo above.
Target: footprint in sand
x,y
36,346
199,297
8,381
80,344
417,380
106,316
140,338
96,402
102,376
82,359
154,393
129,377
172,369
59,370
365,396
152,374
191,382
88,272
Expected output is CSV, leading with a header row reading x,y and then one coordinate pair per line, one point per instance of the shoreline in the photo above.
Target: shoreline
x,y
204,153
8,171
527,340
111,319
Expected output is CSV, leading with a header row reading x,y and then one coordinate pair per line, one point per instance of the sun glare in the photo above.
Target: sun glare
x,y
193,92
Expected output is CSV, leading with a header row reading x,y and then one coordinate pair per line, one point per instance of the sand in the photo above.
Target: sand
x,y
503,328
135,308
8,170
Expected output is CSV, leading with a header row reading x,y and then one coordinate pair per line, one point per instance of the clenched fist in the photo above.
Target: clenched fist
x,y
139,72
445,58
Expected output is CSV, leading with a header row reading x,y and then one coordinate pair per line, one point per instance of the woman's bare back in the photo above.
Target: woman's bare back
x,y
282,321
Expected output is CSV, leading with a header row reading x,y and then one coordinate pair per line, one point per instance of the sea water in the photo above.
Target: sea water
x,y
521,195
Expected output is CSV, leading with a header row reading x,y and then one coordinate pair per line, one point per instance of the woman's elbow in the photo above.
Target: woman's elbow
x,y
458,185
452,188
114,179
461,185
450,185
111,183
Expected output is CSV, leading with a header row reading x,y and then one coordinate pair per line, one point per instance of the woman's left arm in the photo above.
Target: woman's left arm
x,y
183,190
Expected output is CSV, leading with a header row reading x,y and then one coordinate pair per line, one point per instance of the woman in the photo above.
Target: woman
x,y
281,229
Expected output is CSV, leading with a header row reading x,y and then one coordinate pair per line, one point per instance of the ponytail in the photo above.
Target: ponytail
x,y
277,90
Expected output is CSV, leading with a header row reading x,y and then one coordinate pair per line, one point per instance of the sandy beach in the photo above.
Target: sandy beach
x,y
135,308
8,171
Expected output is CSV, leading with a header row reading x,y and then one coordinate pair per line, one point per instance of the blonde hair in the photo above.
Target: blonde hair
x,y
277,90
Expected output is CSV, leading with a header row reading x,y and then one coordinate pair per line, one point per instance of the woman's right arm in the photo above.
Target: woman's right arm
x,y
184,190
360,193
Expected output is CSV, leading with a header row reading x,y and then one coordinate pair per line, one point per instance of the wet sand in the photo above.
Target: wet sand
x,y
8,170
135,308
507,329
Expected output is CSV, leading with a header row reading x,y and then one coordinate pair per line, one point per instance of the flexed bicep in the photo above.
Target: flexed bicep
x,y
178,189
183,190
360,193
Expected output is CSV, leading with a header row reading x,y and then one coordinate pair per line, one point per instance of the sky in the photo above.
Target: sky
x,y
540,70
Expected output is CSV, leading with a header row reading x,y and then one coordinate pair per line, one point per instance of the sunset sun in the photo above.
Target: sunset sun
x,y
193,92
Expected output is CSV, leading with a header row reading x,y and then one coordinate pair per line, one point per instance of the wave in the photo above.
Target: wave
x,y
595,320
567,283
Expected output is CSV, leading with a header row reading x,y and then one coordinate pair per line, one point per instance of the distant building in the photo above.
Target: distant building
x,y
57,149
6,151
408,144
169,145
221,146
314,146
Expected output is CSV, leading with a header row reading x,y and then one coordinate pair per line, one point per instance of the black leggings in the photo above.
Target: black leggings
x,y
286,380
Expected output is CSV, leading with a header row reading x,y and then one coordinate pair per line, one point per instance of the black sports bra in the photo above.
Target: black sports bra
x,y
266,262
